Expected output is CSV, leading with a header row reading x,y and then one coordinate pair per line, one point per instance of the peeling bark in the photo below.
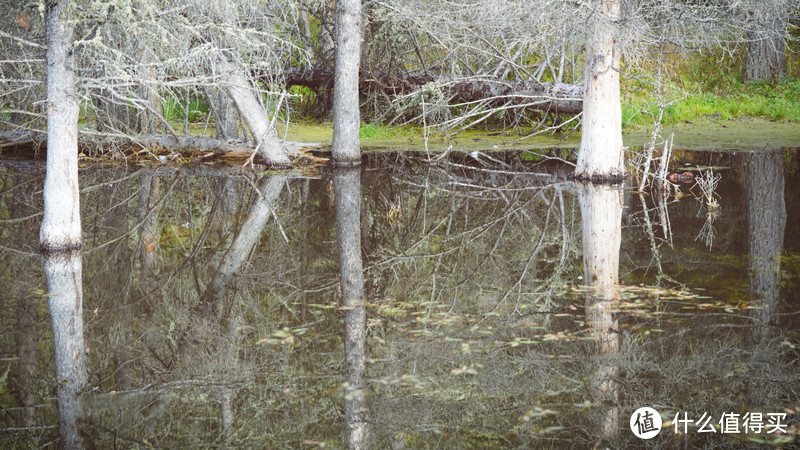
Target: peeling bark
x,y
61,225
600,157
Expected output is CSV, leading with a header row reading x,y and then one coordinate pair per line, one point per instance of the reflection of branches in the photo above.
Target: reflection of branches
x,y
487,222
145,216
708,232
707,182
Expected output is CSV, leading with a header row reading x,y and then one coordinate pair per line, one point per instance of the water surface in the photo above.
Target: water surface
x,y
214,311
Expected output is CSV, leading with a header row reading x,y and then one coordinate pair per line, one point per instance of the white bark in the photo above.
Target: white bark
x,y
600,156
268,145
346,118
61,224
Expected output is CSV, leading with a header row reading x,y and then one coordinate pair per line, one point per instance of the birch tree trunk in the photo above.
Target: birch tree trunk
x,y
61,225
346,118
600,157
268,145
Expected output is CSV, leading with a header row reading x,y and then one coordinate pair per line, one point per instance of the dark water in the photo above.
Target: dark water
x,y
214,312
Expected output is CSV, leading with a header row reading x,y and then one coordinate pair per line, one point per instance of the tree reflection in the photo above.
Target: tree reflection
x,y
27,308
63,271
476,337
601,214
214,324
347,192
766,214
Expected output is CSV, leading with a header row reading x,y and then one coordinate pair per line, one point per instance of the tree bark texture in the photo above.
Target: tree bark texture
x,y
346,117
268,145
600,157
63,272
61,224
347,203
766,41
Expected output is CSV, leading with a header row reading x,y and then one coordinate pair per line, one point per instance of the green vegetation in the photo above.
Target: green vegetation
x,y
175,109
377,131
370,131
708,87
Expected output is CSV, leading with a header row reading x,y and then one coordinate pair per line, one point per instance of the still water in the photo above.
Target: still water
x,y
503,306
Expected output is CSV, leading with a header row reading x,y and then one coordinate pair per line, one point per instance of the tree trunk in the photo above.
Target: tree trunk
x,y
268,145
224,112
346,119
766,41
347,199
600,157
326,32
61,225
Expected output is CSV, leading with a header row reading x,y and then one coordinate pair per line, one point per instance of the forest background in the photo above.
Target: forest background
x,y
151,72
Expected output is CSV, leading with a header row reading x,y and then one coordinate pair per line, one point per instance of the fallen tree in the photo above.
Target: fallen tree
x,y
90,142
553,97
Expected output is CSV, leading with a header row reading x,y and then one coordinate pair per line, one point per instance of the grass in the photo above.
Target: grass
x,y
374,131
378,131
709,87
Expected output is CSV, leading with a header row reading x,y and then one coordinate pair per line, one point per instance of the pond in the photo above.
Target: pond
x,y
503,306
